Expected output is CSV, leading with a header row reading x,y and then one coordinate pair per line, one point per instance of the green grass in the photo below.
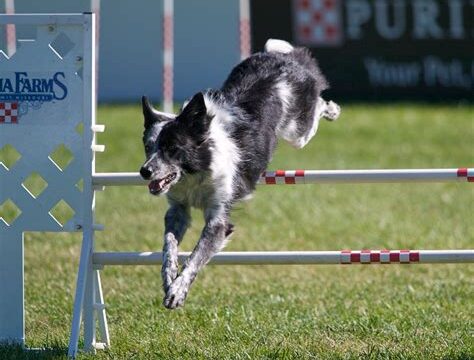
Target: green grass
x,y
284,312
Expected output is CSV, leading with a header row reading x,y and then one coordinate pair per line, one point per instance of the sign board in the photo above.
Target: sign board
x,y
379,49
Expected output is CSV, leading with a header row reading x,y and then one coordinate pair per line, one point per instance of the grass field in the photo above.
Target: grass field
x,y
284,312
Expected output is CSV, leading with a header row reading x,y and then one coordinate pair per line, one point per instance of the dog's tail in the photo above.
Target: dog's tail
x,y
279,46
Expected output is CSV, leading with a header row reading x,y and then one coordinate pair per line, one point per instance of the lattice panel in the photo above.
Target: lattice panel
x,y
42,146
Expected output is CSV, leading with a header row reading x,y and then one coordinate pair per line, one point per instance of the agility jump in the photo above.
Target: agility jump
x,y
65,44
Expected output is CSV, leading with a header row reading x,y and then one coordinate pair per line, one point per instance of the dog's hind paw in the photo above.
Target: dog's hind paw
x,y
177,293
332,111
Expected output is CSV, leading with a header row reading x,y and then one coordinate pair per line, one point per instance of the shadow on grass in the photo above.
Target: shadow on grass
x,y
14,352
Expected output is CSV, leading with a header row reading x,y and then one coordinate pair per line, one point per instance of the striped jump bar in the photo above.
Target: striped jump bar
x,y
292,177
101,259
380,256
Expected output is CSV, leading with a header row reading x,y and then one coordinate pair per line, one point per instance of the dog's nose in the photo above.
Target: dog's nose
x,y
145,173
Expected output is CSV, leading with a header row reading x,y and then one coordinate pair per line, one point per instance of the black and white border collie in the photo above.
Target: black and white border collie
x,y
213,152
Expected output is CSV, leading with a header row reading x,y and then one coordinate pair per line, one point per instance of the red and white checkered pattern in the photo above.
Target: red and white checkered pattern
x,y
379,256
318,22
466,173
287,177
8,113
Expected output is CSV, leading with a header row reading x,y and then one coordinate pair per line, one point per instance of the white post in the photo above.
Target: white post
x,y
168,50
99,307
88,311
10,28
85,270
244,29
95,9
12,317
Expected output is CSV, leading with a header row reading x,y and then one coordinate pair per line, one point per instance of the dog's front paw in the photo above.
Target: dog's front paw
x,y
177,293
333,111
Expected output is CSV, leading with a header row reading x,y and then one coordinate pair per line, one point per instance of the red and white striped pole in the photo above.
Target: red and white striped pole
x,y
168,50
10,28
344,257
301,177
244,29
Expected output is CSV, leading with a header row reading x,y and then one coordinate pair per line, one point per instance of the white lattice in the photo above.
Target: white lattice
x,y
47,113
41,103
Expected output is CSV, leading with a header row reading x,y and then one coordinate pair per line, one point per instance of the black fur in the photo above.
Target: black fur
x,y
213,153
249,92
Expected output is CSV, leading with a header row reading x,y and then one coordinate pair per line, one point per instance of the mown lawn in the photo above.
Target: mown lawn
x,y
284,312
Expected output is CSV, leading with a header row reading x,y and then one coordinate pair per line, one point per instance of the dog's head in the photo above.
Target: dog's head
x,y
175,145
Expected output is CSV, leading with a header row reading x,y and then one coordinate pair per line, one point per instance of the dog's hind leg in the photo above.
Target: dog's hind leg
x,y
177,220
213,239
323,109
330,111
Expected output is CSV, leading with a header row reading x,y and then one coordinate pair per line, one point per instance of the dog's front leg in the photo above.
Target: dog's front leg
x,y
212,240
177,220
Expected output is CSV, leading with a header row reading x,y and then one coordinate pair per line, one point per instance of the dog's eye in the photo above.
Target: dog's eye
x,y
148,148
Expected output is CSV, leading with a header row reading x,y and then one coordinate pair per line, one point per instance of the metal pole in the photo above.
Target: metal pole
x,y
87,248
296,177
10,28
168,50
244,29
297,257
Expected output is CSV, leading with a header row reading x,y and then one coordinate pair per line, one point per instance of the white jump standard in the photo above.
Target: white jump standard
x,y
62,58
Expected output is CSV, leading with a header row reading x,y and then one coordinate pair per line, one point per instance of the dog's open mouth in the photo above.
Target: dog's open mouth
x,y
157,186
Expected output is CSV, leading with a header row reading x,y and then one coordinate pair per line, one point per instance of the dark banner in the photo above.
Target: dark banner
x,y
379,49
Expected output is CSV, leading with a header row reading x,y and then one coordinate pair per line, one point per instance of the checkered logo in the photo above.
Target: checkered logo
x,y
318,22
8,113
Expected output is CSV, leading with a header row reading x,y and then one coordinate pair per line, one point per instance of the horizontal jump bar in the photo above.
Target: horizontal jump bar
x,y
290,177
297,257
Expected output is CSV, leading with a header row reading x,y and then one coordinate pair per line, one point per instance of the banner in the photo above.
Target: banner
x,y
379,49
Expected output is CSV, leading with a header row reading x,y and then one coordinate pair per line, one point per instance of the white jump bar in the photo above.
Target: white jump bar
x,y
297,257
320,176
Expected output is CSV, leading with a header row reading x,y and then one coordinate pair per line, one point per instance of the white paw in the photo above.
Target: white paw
x,y
333,111
176,293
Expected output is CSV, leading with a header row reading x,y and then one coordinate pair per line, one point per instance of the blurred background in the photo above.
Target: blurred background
x,y
370,50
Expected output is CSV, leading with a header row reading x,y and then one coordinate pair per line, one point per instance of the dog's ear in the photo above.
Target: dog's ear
x,y
195,116
151,115
195,108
